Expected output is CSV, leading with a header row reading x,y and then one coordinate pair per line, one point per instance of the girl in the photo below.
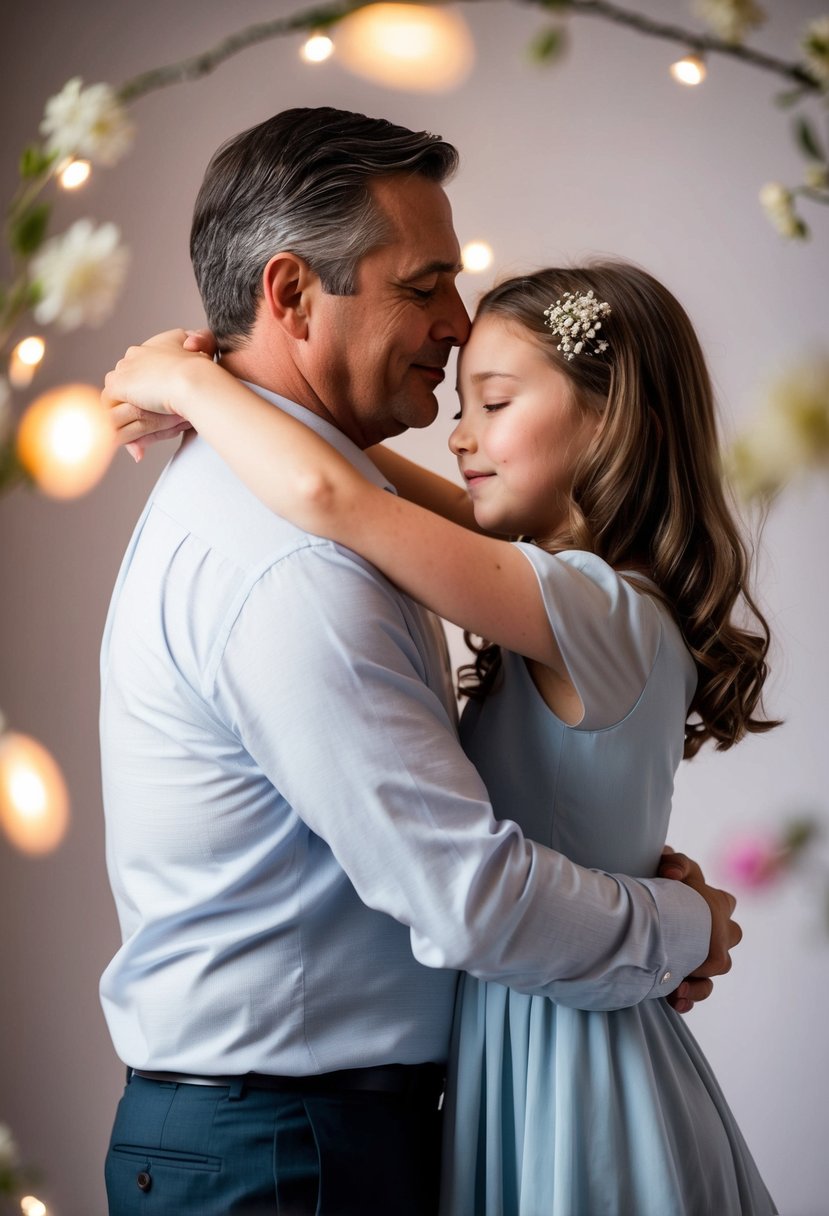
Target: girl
x,y
587,428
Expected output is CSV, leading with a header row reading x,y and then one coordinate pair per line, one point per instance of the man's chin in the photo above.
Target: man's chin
x,y
416,413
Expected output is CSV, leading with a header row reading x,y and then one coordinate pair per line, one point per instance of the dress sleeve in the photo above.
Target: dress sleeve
x,y
322,682
608,632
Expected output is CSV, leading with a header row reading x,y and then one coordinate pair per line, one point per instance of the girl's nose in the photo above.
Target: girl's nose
x,y
461,439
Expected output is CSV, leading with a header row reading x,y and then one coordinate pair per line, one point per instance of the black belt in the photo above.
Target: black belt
x,y
411,1079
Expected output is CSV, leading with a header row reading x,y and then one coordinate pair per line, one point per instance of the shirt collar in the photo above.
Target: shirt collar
x,y
327,431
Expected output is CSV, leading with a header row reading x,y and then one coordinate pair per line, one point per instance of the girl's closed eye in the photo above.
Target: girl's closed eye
x,y
490,407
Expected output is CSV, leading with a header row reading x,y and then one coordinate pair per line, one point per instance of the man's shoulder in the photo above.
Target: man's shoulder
x,y
203,503
205,499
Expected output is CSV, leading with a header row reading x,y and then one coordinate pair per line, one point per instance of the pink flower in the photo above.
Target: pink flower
x,y
753,861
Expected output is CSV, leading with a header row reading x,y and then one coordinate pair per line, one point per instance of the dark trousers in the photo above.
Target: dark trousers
x,y
216,1150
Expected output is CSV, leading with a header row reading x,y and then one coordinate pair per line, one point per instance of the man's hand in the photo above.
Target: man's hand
x,y
725,932
137,428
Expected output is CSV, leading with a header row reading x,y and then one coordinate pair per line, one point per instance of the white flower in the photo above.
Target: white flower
x,y
815,43
730,20
89,122
778,204
790,434
79,275
816,176
575,318
9,1154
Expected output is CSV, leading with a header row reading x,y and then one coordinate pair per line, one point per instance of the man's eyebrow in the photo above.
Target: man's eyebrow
x,y
433,268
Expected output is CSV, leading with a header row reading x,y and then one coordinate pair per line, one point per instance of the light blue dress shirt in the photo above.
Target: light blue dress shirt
x,y
300,853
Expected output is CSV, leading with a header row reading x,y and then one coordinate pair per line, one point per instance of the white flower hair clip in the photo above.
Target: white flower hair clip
x,y
575,319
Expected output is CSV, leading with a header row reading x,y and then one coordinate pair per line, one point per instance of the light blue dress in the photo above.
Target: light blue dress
x,y
553,1111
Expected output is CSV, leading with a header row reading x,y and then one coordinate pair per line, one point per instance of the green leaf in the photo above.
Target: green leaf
x,y
28,231
790,97
548,45
798,833
554,5
808,140
34,161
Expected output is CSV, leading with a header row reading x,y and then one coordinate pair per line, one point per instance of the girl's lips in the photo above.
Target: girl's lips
x,y
474,478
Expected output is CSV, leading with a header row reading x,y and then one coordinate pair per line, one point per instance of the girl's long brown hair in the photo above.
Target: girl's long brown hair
x,y
648,492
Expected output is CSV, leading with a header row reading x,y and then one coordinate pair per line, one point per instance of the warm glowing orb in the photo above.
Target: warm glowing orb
x,y
34,804
476,256
690,70
406,46
30,351
30,1206
25,360
65,440
74,174
317,49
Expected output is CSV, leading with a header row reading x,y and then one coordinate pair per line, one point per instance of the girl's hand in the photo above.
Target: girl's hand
x,y
146,392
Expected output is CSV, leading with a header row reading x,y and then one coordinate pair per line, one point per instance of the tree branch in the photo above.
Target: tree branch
x,y
200,65
324,16
704,43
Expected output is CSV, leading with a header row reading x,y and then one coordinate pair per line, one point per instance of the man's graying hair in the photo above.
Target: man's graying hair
x,y
298,182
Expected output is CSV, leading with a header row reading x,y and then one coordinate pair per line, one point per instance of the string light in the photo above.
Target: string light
x,y
74,174
476,256
34,804
689,70
317,48
65,440
24,361
30,1206
406,46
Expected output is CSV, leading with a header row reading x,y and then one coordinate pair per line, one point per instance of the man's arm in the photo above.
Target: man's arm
x,y
369,759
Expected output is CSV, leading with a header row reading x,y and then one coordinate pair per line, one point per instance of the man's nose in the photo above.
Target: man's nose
x,y
452,320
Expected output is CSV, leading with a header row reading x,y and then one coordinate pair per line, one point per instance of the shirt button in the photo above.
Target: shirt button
x,y
144,1181
666,977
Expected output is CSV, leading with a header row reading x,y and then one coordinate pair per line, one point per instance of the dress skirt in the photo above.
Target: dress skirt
x,y
554,1111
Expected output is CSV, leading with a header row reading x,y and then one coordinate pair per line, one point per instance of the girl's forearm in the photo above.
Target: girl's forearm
x,y
478,583
287,465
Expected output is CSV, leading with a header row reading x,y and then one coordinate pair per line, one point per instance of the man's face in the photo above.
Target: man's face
x,y
383,349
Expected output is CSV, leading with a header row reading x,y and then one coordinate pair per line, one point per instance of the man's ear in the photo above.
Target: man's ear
x,y
288,287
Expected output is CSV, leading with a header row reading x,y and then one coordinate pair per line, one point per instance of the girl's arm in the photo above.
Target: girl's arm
x,y
482,584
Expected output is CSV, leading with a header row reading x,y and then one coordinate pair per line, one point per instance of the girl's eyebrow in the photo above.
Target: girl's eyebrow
x,y
477,377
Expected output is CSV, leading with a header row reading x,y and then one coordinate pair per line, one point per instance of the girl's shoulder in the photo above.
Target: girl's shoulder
x,y
611,626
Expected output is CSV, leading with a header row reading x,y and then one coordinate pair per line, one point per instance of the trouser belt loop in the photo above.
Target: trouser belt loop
x,y
236,1089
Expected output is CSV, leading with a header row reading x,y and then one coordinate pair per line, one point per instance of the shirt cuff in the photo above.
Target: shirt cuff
x,y
685,925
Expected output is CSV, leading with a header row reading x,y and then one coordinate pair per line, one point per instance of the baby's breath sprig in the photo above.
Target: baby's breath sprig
x,y
576,319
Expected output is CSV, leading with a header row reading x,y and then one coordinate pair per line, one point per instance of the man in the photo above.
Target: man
x,y
300,853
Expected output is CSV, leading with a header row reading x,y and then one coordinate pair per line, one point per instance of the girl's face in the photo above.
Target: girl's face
x,y
520,432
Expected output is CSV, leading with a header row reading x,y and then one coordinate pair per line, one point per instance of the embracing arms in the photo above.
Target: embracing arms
x,y
477,582
482,584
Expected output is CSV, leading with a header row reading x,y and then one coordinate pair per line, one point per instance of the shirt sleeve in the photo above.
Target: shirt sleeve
x,y
608,632
324,683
